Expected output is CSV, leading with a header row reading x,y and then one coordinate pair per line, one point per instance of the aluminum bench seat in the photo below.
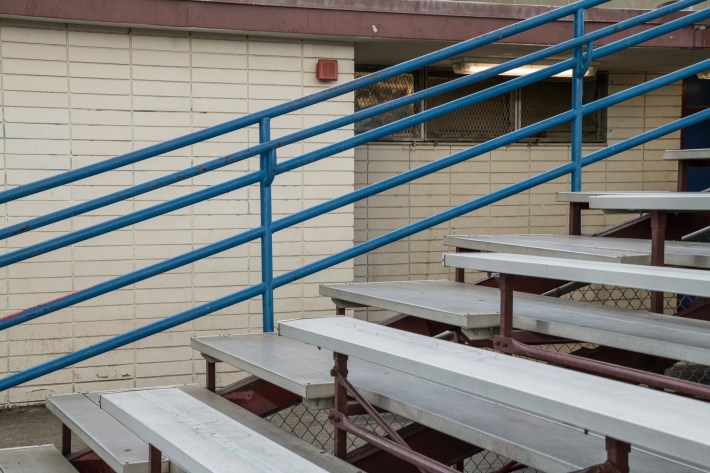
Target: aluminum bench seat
x,y
200,432
652,201
35,459
686,154
533,440
660,422
120,448
583,197
694,282
470,306
591,248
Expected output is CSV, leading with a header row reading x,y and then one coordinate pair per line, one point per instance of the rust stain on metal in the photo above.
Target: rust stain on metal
x,y
21,230
19,313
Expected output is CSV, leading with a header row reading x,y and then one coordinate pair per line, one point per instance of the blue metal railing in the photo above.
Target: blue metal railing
x,y
581,46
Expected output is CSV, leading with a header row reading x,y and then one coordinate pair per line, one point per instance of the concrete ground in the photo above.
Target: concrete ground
x,y
23,426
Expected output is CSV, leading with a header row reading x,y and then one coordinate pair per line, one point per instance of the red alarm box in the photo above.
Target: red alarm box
x,y
327,70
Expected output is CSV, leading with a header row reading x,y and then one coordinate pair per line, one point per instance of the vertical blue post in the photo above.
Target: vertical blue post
x,y
577,102
268,167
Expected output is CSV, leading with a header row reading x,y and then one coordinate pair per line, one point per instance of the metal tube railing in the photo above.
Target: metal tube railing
x,y
129,219
269,168
158,183
240,296
372,189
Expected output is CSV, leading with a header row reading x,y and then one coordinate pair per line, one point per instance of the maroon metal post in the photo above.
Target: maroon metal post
x,y
340,367
505,284
682,175
369,409
617,458
211,376
66,440
340,311
155,459
658,247
460,273
575,218
618,454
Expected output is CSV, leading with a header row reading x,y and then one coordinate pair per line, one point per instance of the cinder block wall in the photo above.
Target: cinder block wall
x,y
534,211
75,95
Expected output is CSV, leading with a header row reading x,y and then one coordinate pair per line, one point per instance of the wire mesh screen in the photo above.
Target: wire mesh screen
x,y
548,98
639,299
478,122
312,425
385,91
485,120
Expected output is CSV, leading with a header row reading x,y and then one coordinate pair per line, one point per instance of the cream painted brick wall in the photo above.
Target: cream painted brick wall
x,y
534,211
71,96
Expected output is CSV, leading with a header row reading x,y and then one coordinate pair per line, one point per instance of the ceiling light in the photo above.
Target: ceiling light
x,y
704,75
473,65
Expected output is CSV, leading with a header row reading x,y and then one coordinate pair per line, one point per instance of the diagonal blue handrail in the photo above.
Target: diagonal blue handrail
x,y
378,242
339,202
269,168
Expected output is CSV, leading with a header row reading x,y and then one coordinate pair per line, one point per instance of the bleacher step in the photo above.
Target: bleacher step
x,y
470,306
693,282
543,444
201,432
590,248
120,448
35,459
678,426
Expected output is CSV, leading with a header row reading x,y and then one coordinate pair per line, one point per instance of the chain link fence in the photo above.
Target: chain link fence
x,y
639,299
312,425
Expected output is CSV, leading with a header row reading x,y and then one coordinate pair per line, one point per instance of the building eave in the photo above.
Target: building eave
x,y
390,19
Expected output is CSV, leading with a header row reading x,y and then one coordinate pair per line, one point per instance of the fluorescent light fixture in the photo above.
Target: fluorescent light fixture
x,y
705,75
473,65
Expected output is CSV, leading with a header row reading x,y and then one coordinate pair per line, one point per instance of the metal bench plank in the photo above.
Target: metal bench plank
x,y
548,446
620,250
112,442
543,444
583,197
197,437
677,426
665,279
275,359
431,300
686,154
315,455
35,459
643,332
668,201
257,356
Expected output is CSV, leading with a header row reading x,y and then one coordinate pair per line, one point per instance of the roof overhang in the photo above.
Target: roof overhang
x,y
339,19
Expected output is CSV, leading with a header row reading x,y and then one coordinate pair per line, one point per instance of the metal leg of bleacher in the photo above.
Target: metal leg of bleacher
x,y
617,458
506,343
154,459
658,248
392,443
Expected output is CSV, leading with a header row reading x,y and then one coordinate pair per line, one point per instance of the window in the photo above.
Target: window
x,y
484,120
